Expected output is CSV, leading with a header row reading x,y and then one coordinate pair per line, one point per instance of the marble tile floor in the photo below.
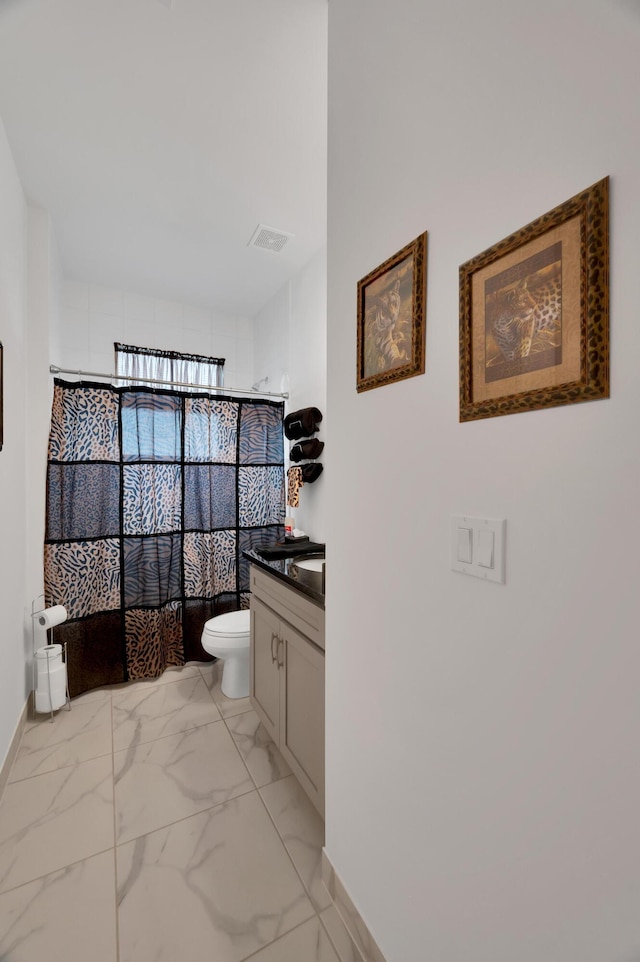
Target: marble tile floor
x,y
157,821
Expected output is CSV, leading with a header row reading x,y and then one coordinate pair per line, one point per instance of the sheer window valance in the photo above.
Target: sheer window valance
x,y
134,364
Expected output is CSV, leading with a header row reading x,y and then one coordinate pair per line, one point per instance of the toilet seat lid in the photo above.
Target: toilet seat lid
x,y
231,623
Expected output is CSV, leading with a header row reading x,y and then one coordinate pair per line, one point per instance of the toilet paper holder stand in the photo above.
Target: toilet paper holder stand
x,y
34,613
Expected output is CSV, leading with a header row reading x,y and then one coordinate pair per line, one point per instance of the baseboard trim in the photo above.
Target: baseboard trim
x,y
14,745
365,948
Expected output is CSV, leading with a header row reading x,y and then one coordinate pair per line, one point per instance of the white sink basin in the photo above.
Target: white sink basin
x,y
310,564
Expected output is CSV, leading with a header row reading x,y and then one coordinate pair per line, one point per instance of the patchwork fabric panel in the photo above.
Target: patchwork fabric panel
x,y
210,496
209,563
84,501
84,424
261,434
94,650
152,569
261,496
152,498
84,576
154,640
211,430
151,427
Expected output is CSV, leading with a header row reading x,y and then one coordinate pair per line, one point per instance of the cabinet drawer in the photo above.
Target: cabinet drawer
x,y
299,611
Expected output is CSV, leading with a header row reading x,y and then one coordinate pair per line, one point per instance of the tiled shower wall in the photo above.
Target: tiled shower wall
x,y
92,318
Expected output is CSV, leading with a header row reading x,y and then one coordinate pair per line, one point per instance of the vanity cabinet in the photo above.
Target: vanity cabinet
x,y
287,676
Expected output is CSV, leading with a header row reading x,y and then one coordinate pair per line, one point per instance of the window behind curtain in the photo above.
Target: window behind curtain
x,y
134,364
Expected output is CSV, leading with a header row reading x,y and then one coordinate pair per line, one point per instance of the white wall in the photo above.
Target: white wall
x,y
272,345
56,285
43,292
308,379
13,460
291,355
93,317
482,740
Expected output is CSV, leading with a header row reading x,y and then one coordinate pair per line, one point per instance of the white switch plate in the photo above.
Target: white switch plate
x,y
481,529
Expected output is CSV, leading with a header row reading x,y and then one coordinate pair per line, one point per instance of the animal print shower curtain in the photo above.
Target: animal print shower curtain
x,y
152,497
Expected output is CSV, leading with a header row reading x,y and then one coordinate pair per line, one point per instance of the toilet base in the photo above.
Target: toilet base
x,y
235,676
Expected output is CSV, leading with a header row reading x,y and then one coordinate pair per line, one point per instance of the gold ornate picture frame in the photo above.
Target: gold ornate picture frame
x,y
392,318
534,313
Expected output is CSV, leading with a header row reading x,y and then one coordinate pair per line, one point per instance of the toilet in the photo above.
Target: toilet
x,y
227,637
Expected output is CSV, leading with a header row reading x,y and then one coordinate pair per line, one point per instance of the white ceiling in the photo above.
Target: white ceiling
x,y
160,133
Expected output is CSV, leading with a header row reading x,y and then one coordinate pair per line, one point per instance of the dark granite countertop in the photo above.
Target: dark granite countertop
x,y
309,583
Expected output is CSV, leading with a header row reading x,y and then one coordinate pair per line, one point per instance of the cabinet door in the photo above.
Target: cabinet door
x,y
302,712
264,671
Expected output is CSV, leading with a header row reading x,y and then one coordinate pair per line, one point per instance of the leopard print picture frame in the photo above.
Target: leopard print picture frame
x,y
534,313
392,318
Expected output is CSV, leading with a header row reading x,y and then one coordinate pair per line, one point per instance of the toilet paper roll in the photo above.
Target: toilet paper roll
x,y
51,692
48,658
51,617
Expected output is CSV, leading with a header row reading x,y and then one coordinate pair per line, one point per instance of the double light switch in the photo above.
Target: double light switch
x,y
478,547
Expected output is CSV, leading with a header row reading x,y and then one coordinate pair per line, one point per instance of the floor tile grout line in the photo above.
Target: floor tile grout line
x,y
251,776
284,844
247,958
30,724
184,818
242,758
226,719
233,739
200,811
60,768
53,871
189,728
150,741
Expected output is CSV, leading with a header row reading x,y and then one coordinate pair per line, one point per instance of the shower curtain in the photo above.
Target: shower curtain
x,y
152,496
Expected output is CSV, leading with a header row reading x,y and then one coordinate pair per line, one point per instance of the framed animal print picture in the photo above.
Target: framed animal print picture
x,y
392,318
534,313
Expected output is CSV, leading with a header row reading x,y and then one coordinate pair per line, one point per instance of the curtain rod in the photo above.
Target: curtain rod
x,y
54,369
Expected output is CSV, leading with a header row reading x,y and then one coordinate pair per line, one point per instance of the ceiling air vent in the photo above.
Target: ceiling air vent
x,y
269,239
